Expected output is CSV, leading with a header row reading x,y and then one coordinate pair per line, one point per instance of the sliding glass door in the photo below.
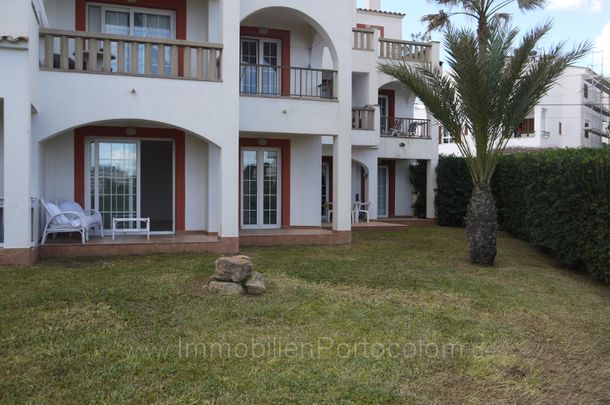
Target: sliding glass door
x,y
132,179
260,188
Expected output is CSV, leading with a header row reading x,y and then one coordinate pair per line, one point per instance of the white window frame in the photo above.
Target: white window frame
x,y
93,139
260,187
387,192
132,10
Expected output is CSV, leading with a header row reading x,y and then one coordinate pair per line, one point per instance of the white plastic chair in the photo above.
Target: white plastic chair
x,y
93,218
329,212
364,209
59,221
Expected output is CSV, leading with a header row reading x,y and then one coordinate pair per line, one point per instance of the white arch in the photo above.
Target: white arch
x,y
320,30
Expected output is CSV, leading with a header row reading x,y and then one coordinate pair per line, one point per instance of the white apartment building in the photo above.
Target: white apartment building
x,y
575,113
223,122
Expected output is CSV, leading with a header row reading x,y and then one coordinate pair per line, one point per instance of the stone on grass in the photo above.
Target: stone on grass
x,y
255,284
222,288
233,268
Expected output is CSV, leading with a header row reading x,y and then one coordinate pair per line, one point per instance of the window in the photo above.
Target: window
x,y
260,66
133,21
585,90
526,128
587,130
446,137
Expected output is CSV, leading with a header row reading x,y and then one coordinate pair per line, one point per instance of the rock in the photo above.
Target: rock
x,y
223,288
233,268
255,284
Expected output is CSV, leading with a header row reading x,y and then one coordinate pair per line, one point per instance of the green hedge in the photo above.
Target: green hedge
x,y
418,178
558,200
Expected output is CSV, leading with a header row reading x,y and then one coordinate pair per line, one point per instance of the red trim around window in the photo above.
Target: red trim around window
x,y
284,37
284,146
391,95
178,6
118,132
381,28
391,164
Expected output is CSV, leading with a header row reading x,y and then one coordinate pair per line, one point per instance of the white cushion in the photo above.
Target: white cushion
x,y
71,206
53,211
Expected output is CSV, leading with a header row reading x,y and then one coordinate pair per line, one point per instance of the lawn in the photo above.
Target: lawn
x,y
397,317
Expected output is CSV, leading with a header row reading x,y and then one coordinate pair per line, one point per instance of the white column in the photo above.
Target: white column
x,y
342,184
431,187
17,171
214,190
229,152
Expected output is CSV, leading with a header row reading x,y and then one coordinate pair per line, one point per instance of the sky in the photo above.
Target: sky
x,y
574,21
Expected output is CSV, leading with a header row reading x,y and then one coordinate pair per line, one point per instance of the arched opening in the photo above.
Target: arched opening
x,y
284,52
128,169
400,112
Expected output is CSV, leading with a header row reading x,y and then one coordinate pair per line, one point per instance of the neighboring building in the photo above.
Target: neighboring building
x,y
224,122
575,113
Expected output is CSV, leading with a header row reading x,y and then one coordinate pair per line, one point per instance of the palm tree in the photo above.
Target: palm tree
x,y
490,88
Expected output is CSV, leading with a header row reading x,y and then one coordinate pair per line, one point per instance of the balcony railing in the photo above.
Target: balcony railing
x,y
363,118
78,51
404,127
363,39
404,50
287,81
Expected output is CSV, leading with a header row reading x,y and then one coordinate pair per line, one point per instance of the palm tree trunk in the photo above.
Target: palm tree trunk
x,y
482,225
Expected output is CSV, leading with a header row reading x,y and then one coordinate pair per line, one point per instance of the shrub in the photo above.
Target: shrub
x,y
558,200
418,180
453,190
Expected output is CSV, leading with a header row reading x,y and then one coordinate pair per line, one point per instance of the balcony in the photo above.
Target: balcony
x,y
404,128
87,52
287,81
393,49
363,119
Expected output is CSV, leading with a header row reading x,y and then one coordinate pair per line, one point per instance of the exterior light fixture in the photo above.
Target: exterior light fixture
x,y
131,131
261,141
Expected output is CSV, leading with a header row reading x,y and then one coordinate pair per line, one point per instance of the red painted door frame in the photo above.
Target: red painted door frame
x,y
329,160
118,132
391,164
177,6
284,37
391,95
284,146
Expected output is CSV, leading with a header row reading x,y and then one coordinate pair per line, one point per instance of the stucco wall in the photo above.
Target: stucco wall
x,y
306,181
196,165
58,158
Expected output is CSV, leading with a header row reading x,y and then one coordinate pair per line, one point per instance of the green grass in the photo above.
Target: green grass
x,y
99,330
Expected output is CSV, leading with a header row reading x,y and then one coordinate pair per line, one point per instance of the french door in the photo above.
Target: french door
x,y
382,191
134,21
260,71
260,188
132,179
325,189
384,102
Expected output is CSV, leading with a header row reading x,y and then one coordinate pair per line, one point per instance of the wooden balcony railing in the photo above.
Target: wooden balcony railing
x,y
363,39
404,50
404,127
287,81
78,51
363,118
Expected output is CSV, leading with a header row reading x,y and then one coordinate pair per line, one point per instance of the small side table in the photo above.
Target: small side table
x,y
137,221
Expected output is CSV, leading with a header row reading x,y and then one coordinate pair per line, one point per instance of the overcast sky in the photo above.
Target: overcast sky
x,y
573,20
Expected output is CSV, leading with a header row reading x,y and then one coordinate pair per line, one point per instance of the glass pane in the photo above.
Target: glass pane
x,y
270,73
250,193
382,185
117,181
270,179
94,19
249,74
153,26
